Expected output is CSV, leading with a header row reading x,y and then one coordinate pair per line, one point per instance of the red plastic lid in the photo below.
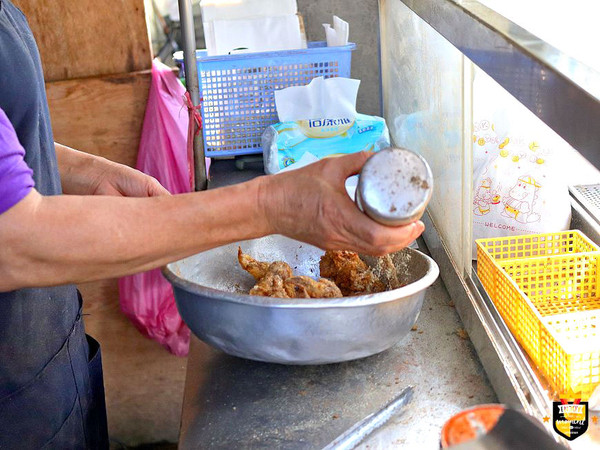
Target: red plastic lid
x,y
470,424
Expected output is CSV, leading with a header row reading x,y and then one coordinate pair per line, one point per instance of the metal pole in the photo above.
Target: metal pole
x,y
188,35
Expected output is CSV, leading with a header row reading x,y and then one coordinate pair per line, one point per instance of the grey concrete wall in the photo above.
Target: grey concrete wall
x,y
363,17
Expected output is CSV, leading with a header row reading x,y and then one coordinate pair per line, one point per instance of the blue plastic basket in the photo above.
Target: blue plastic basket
x,y
237,91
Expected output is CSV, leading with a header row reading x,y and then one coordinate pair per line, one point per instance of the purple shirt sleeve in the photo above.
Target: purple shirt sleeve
x,y
15,175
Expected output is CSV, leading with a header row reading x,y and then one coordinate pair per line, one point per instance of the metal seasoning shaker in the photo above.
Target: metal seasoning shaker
x,y
394,186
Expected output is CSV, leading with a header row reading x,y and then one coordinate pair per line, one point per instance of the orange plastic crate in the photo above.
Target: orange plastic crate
x,y
537,282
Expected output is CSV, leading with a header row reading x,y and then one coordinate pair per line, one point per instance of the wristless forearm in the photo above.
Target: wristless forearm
x,y
67,239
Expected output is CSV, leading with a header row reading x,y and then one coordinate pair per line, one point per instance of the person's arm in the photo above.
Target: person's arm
x,y
85,174
67,239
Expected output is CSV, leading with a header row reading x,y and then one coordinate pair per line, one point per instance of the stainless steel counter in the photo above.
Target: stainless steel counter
x,y
236,403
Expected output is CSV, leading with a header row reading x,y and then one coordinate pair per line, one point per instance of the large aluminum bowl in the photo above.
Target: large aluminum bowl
x,y
210,294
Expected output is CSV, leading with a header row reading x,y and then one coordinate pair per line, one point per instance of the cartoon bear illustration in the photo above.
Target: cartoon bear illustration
x,y
483,198
520,202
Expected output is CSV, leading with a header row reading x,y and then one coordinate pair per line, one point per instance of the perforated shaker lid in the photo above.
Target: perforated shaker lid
x,y
394,187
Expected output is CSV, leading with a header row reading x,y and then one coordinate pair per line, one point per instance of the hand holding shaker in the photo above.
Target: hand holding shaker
x,y
394,186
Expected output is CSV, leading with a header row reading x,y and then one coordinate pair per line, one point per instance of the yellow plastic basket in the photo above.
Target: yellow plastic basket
x,y
545,287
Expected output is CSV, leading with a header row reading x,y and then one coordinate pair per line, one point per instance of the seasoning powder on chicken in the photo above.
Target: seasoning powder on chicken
x,y
343,272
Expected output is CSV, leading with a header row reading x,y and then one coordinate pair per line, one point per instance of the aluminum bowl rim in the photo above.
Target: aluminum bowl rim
x,y
409,290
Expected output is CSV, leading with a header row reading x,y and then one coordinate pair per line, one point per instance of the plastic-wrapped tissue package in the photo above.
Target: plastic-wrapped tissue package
x,y
250,26
320,120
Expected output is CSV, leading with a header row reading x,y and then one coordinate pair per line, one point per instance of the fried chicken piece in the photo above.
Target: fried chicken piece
x,y
305,287
271,285
257,269
276,280
281,269
349,273
383,267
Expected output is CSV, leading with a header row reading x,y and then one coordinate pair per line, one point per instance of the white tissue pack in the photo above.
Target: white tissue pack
x,y
252,25
259,34
320,120
338,34
246,9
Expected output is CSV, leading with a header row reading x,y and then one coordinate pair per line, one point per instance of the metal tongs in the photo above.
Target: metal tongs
x,y
361,430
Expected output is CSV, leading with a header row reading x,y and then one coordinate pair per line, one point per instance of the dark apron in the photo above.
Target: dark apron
x,y
51,390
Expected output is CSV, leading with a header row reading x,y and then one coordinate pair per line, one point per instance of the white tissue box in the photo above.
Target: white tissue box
x,y
260,34
246,9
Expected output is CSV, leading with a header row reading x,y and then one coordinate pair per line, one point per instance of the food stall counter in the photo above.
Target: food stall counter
x,y
231,402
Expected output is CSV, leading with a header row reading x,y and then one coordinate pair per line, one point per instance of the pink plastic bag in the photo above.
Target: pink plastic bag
x,y
147,298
